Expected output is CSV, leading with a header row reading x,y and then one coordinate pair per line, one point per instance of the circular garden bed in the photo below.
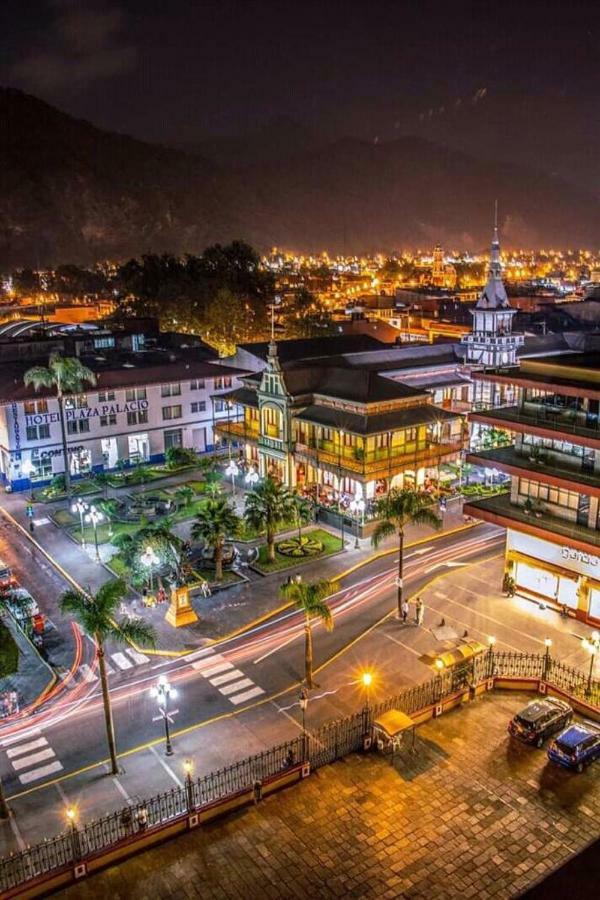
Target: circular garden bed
x,y
299,548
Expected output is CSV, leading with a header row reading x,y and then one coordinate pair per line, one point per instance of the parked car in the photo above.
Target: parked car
x,y
576,746
7,579
540,719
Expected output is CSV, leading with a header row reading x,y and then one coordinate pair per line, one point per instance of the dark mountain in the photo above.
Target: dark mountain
x,y
71,192
278,139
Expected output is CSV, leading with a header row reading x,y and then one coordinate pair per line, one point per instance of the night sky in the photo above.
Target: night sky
x,y
476,75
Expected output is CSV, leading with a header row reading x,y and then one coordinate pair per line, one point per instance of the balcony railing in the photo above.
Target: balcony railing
x,y
380,462
500,505
564,422
237,430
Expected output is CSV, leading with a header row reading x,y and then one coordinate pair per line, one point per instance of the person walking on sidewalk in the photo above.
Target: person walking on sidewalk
x,y
419,611
404,611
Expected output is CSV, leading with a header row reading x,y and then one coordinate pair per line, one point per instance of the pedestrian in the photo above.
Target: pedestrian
x,y
419,611
404,611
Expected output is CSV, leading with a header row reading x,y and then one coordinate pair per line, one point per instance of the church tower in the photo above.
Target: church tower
x,y
491,342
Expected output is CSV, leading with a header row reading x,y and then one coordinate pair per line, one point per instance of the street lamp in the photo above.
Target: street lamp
x,y
357,506
80,507
188,768
592,645
547,644
491,644
71,816
251,477
303,702
232,470
149,559
163,692
28,469
95,517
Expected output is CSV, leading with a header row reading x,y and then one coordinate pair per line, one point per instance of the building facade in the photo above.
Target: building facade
x,y
145,401
552,514
339,433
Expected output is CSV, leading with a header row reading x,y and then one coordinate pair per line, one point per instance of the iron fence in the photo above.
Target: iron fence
x,y
330,742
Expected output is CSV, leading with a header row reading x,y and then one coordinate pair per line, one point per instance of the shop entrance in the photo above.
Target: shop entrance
x,y
139,447
110,453
552,587
80,461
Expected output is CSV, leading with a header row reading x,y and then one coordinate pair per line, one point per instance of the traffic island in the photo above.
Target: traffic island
x,y
290,553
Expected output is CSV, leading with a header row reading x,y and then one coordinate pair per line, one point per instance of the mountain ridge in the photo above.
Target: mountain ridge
x,y
72,192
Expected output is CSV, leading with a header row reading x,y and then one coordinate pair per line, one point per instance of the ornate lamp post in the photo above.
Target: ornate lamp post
x,y
188,768
95,517
357,507
303,703
251,478
80,507
163,692
232,470
149,559
491,644
592,645
547,644
366,679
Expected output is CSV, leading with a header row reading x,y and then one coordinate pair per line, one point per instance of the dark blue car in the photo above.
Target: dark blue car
x,y
576,746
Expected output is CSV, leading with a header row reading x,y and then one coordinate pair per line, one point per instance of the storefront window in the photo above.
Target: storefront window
x,y
173,438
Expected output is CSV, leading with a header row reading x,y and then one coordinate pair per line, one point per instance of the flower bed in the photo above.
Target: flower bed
x,y
298,548
330,545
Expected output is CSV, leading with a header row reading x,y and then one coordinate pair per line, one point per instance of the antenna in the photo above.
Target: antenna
x,y
496,213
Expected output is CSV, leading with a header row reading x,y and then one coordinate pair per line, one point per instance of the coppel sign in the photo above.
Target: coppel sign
x,y
88,412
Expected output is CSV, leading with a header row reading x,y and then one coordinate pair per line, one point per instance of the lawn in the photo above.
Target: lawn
x,y
331,545
246,533
229,578
188,512
9,653
104,535
49,494
117,564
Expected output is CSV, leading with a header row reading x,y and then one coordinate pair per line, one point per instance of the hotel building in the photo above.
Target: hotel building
x,y
152,392
552,513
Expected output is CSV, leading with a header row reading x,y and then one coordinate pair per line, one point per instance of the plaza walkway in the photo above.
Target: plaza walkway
x,y
471,814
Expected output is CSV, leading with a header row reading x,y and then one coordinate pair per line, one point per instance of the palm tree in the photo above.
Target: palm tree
x,y
216,521
68,376
96,613
397,510
268,505
303,512
311,599
184,495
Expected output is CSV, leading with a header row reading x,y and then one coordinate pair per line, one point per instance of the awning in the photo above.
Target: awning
x,y
448,658
393,723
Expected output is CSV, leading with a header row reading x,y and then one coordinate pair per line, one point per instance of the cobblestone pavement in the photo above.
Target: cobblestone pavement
x,y
471,814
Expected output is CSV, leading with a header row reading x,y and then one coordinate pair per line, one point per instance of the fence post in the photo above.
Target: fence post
x,y
547,660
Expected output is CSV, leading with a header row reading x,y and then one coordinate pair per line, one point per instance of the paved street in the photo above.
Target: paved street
x,y
214,732
471,814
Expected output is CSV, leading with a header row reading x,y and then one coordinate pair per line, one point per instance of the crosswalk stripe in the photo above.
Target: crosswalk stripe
x,y
26,748
8,742
121,661
208,663
27,761
206,651
137,657
239,698
238,686
228,676
35,774
88,673
222,667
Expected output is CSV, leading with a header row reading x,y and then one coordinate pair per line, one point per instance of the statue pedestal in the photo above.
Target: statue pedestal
x,y
180,611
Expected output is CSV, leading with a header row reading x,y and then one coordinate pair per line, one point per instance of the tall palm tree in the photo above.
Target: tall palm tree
x,y
268,505
216,521
397,510
311,599
68,376
96,613
302,511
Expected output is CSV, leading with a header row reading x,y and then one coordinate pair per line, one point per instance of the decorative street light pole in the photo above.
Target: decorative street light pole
x,y
491,645
251,477
357,506
232,470
95,517
592,645
149,559
547,644
163,692
366,681
303,702
188,768
80,507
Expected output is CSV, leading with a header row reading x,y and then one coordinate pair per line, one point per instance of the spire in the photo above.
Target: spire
x,y
494,294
